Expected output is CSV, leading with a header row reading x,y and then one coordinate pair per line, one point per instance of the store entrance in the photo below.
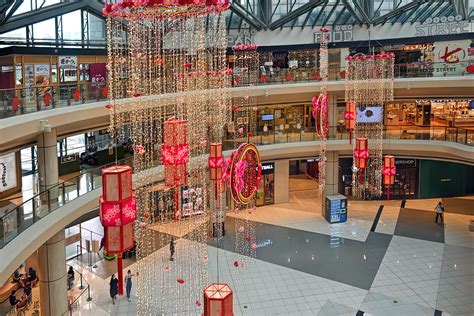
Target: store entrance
x,y
303,184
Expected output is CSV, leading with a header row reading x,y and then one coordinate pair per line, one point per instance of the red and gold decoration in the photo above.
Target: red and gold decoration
x,y
320,109
246,172
350,117
118,213
369,85
361,156
168,85
389,171
218,300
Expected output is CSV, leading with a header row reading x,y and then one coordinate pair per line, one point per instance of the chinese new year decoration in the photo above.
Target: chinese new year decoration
x,y
361,156
350,116
118,213
389,171
218,300
245,173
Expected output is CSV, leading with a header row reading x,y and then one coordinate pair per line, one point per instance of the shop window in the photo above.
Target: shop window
x,y
84,72
54,73
19,74
68,75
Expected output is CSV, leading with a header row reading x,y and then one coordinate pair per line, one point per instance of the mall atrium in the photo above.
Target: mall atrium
x,y
244,157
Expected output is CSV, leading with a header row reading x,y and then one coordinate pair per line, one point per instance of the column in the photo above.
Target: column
x,y
332,173
48,161
282,178
52,276
332,115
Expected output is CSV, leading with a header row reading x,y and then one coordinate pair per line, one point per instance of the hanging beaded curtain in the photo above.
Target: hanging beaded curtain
x,y
169,98
369,84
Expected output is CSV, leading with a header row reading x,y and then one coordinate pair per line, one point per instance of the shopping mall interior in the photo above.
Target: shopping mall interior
x,y
245,157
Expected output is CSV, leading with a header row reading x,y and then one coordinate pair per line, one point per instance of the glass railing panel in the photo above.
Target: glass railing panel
x,y
470,137
461,136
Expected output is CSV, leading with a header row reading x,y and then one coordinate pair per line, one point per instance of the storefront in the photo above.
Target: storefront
x,y
430,112
266,187
406,178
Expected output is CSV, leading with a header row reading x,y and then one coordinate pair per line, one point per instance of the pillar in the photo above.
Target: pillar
x,y
53,276
48,161
332,173
282,178
332,115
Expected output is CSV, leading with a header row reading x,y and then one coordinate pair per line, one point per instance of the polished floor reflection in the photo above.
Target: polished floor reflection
x,y
304,266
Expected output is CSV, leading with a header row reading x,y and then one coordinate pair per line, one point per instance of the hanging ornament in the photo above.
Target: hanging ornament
x,y
350,117
389,171
15,103
47,99
76,94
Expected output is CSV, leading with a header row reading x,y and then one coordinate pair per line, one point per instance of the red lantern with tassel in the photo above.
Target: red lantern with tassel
x,y
350,116
117,213
361,155
389,171
216,166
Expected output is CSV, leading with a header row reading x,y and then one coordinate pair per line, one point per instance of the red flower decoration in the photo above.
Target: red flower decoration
x,y
288,77
104,92
15,103
249,134
316,76
254,246
235,108
229,71
76,94
187,65
109,106
180,281
198,303
470,69
236,264
137,94
47,99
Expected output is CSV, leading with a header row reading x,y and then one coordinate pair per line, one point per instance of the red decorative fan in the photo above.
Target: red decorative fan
x,y
76,94
15,103
47,99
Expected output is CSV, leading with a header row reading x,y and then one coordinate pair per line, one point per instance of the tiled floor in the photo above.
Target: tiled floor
x,y
304,266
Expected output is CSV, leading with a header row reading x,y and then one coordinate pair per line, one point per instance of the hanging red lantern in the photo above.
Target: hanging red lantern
x,y
218,300
389,171
47,99
76,94
288,77
104,92
15,103
316,76
262,78
117,213
350,117
216,168
361,155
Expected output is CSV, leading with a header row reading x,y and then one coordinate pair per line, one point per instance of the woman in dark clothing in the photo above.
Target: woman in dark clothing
x,y
128,283
31,275
70,277
113,288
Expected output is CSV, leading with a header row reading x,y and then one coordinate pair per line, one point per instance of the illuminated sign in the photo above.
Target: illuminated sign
x,y
340,33
443,26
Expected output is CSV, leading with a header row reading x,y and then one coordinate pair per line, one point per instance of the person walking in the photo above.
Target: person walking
x,y
113,288
128,283
439,212
172,243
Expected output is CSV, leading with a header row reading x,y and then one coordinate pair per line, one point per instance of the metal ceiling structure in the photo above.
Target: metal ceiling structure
x,y
255,15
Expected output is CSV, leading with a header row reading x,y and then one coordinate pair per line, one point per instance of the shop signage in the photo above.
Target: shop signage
x,y
7,172
340,33
241,38
443,26
68,62
405,162
268,167
264,243
69,158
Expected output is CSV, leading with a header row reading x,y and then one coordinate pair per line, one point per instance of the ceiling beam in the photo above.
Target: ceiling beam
x,y
50,12
330,13
295,14
249,17
319,14
361,11
352,11
412,5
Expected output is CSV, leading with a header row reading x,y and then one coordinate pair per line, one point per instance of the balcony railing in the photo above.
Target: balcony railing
x,y
20,101
17,220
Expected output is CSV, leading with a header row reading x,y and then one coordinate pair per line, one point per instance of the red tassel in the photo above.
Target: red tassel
x,y
360,176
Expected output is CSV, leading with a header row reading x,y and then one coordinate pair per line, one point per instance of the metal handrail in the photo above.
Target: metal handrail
x,y
48,194
334,134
